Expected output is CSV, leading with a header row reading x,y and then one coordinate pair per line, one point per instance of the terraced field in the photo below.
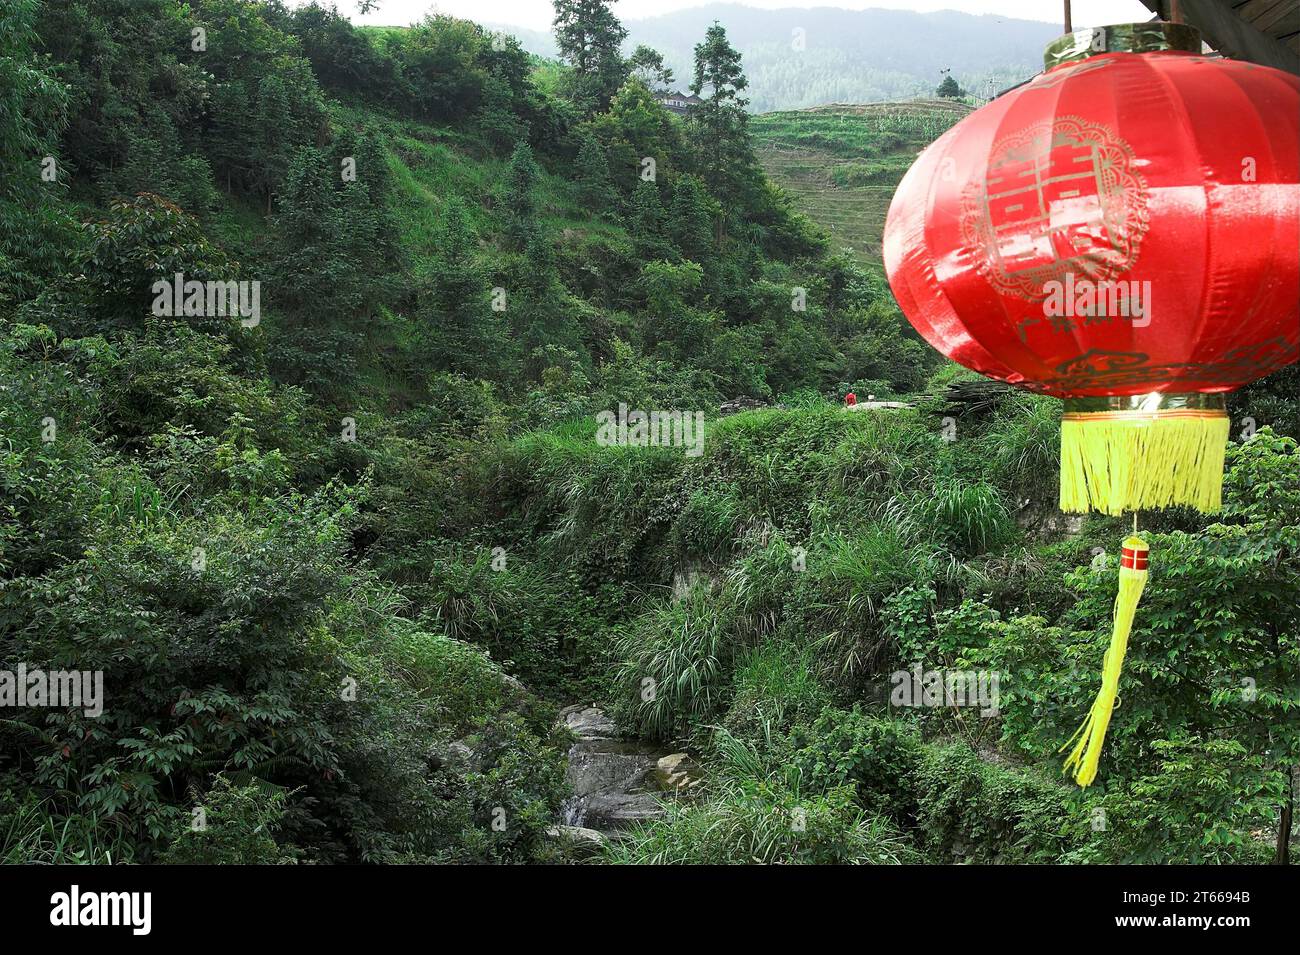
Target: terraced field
x,y
842,162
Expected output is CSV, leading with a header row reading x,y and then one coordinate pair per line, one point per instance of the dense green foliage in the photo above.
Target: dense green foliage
x,y
833,550
339,562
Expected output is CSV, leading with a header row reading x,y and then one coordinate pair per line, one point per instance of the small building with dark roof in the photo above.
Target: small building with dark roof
x,y
679,103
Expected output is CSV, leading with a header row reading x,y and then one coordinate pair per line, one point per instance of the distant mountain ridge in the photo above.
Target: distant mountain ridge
x,y
847,56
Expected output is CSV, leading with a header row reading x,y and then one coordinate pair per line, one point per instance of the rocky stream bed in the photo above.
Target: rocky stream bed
x,y
617,781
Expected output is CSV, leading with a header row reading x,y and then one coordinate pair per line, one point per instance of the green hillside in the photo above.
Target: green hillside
x,y
841,163
447,249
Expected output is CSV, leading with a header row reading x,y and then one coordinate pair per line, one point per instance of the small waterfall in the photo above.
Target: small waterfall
x,y
574,812
616,782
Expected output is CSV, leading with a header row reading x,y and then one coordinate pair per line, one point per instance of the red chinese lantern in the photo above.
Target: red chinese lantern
x,y
1122,232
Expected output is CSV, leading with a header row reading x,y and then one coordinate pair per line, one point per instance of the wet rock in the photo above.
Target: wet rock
x,y
673,763
676,772
610,812
615,781
605,766
588,722
582,841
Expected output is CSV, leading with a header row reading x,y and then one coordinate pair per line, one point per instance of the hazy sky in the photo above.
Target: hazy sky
x,y
537,14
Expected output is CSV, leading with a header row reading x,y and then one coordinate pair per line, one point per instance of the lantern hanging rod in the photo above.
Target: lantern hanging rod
x,y
1175,14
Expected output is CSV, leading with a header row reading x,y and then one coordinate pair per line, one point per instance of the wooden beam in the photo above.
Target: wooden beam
x,y
1227,32
1259,13
1272,20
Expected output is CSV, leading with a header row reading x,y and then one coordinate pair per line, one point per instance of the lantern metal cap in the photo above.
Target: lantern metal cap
x,y
1153,403
1121,38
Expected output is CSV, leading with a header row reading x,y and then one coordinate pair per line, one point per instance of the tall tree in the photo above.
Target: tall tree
x,y
318,243
593,176
721,126
691,218
647,224
589,37
496,116
949,88
635,128
647,65
274,145
458,330
520,206
718,73
32,115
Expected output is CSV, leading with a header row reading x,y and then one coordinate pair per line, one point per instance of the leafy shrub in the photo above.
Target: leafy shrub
x,y
460,685
974,811
907,620
512,798
878,757
238,828
238,664
1201,803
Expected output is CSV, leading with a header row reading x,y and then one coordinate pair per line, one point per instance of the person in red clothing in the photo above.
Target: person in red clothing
x,y
850,399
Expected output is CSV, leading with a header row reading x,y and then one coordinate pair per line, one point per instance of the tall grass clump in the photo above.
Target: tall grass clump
x,y
843,592
968,517
672,665
35,832
1024,444
746,821
887,454
608,510
775,685
776,456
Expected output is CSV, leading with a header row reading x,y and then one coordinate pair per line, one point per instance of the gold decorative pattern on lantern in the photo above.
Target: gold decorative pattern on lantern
x,y
1056,199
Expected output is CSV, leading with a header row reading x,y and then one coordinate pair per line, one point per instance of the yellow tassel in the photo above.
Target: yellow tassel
x,y
1087,742
1117,461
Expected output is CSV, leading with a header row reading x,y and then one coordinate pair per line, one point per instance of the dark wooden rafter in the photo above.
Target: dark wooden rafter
x,y
1261,31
